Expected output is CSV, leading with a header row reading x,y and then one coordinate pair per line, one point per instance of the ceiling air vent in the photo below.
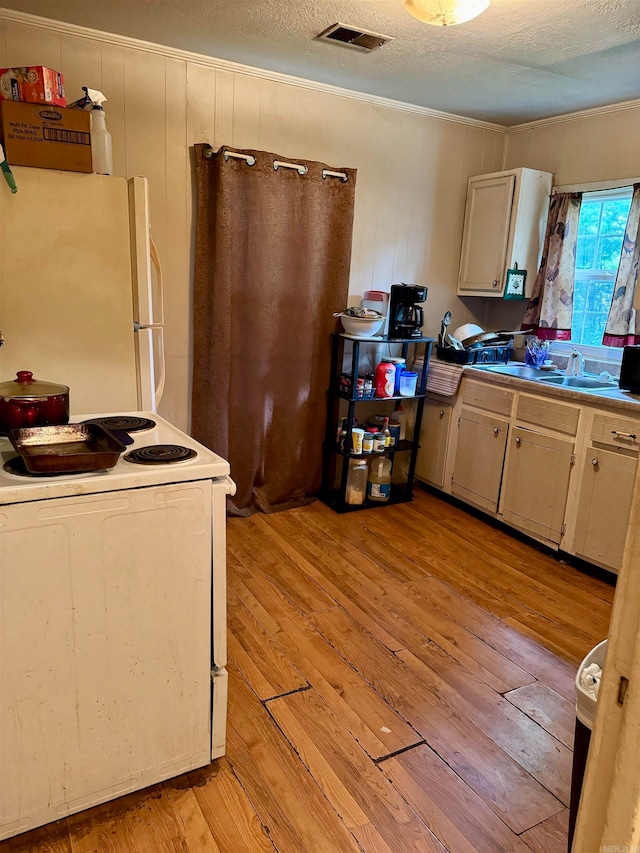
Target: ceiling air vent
x,y
353,37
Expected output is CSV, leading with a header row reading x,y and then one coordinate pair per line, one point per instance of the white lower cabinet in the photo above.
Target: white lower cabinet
x,y
434,441
481,442
604,505
559,471
536,482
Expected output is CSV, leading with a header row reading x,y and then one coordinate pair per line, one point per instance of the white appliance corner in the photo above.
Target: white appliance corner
x,y
220,691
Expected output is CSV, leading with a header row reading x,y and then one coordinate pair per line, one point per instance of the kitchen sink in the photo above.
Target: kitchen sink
x,y
522,371
576,382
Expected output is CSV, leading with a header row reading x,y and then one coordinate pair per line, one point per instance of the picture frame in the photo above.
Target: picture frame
x,y
515,284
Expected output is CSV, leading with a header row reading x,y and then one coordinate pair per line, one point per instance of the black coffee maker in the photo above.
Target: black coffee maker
x,y
405,316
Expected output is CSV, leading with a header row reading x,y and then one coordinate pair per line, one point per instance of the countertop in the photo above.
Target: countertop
x,y
612,398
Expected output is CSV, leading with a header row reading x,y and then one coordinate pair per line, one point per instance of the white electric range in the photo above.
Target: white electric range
x,y
112,626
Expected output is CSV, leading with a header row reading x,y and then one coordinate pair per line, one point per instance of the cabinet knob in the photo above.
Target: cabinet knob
x,y
495,282
441,413
518,441
496,430
594,462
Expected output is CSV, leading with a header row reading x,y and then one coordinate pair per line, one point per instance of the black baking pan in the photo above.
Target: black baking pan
x,y
66,448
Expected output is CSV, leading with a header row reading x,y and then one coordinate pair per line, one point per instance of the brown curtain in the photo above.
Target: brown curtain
x,y
550,308
273,250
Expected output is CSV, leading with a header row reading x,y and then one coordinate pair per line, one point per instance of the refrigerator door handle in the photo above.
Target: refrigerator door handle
x,y
140,250
148,289
145,365
162,367
150,361
158,308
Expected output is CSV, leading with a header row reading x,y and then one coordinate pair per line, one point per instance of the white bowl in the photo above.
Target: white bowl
x,y
467,331
361,327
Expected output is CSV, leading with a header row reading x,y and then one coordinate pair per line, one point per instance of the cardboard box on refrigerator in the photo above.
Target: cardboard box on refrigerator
x,y
33,83
45,136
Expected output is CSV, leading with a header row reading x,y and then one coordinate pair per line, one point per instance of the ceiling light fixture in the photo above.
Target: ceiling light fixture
x,y
445,13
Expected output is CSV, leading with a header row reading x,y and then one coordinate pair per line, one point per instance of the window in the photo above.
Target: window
x,y
603,217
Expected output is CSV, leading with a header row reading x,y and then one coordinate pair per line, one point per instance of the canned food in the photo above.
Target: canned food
x,y
378,442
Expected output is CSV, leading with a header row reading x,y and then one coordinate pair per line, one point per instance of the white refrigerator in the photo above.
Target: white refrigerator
x,y
81,288
112,583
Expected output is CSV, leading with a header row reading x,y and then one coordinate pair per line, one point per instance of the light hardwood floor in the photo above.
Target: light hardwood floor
x,y
401,679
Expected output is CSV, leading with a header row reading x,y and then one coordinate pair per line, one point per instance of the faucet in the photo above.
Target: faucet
x,y
575,365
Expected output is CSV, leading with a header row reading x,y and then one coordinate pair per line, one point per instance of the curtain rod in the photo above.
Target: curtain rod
x,y
595,187
300,167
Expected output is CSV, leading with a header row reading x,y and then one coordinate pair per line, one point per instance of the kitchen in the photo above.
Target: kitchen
x,y
409,211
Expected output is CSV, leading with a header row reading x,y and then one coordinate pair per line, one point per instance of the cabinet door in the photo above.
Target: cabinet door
x,y
486,234
479,458
536,482
604,505
434,440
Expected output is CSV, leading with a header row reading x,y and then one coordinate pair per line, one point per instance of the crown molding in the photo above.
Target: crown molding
x,y
595,111
238,68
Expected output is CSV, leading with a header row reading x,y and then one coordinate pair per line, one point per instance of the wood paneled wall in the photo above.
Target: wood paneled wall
x,y
412,168
588,147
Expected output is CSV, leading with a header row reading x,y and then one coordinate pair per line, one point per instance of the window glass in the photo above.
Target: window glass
x,y
603,217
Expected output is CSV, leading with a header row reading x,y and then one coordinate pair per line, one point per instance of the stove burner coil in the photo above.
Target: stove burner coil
x,y
16,466
160,454
129,423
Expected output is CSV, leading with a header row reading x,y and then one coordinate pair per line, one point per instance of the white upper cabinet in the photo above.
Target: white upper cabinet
x,y
504,224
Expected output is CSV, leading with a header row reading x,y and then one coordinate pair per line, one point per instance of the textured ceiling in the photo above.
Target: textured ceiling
x,y
519,61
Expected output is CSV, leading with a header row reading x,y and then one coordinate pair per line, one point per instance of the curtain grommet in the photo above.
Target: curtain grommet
x,y
249,159
327,173
300,168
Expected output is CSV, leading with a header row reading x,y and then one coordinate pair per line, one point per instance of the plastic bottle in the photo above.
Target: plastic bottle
x,y
379,483
400,418
386,433
356,482
385,378
401,365
101,149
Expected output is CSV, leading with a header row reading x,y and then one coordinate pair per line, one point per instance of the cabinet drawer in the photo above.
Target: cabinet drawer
x,y
615,431
542,412
489,397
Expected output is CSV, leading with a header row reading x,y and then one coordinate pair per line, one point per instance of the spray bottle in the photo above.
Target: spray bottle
x,y
8,176
101,150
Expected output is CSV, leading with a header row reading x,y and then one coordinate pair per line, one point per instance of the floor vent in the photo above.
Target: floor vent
x,y
353,37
